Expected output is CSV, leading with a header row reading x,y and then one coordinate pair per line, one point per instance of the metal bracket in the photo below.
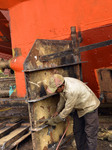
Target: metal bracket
x,y
60,66
38,129
70,51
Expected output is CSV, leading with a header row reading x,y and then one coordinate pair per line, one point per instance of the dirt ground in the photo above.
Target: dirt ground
x,y
102,144
27,145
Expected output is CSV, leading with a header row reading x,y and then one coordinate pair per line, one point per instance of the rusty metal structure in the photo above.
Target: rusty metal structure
x,y
52,56
48,57
43,61
105,83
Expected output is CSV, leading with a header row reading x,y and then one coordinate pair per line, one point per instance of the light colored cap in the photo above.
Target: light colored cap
x,y
55,81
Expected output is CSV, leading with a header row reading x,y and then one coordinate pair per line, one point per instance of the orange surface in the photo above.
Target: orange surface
x,y
5,4
97,58
52,19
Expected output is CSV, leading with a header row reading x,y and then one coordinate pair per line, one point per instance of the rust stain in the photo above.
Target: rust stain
x,y
51,137
41,120
45,148
48,108
42,107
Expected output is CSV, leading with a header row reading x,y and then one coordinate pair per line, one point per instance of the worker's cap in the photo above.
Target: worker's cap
x,y
55,81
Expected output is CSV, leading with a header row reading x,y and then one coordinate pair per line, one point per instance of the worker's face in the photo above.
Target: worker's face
x,y
60,89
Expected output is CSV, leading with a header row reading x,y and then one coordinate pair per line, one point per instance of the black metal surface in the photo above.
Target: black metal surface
x,y
38,129
15,126
55,55
41,98
60,66
94,46
70,51
41,63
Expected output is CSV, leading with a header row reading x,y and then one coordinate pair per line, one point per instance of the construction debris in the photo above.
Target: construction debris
x,y
105,134
11,134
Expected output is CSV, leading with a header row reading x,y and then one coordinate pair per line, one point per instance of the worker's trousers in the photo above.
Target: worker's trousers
x,y
85,130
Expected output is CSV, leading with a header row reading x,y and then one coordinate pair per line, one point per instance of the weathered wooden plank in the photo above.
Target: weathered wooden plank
x,y
19,140
10,129
15,138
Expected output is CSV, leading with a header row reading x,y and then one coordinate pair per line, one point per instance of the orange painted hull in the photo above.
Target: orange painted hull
x,y
52,19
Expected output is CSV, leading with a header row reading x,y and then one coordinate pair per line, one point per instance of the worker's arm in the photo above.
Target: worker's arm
x,y
61,104
54,121
69,106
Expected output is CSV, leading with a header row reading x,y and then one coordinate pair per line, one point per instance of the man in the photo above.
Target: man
x,y
78,99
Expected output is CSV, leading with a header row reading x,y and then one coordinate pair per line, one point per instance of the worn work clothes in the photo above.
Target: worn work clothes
x,y
85,130
76,96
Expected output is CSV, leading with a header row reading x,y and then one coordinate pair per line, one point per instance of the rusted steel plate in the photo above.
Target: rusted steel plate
x,y
41,104
60,66
105,83
45,47
70,51
37,81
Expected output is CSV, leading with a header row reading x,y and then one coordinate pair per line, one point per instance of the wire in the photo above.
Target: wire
x,y
63,135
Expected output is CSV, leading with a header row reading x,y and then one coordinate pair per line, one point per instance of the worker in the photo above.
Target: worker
x,y
76,98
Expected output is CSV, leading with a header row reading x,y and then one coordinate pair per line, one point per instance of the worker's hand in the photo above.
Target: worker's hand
x,y
54,121
51,122
55,114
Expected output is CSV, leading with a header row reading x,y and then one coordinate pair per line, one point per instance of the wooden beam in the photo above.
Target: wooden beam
x,y
19,140
15,138
10,129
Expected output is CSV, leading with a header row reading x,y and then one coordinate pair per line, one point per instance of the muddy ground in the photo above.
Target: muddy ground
x,y
102,144
105,122
27,145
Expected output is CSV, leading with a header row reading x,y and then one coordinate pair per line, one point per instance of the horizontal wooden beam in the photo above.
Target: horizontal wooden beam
x,y
10,129
17,102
